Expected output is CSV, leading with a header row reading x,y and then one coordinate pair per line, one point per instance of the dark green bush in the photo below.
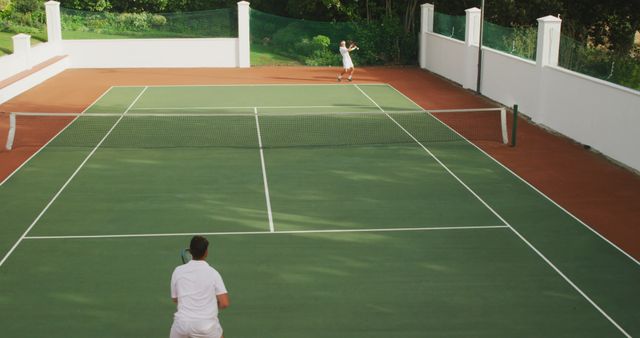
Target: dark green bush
x,y
137,6
157,20
380,43
28,6
134,22
623,69
86,5
288,37
317,52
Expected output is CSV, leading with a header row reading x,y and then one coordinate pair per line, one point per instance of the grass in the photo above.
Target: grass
x,y
6,43
262,56
71,35
79,35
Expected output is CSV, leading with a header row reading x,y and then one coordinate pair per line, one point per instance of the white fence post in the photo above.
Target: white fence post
x,y
547,53
426,17
426,26
244,48
472,27
54,25
548,41
472,43
22,49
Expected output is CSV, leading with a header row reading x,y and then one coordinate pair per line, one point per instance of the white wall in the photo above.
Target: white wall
x,y
23,61
597,113
445,56
16,88
602,115
518,81
43,52
15,63
11,65
146,53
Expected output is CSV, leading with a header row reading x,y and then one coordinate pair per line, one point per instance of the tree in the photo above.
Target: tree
x,y
611,23
28,6
87,5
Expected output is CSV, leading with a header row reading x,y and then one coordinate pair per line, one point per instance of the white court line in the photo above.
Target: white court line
x,y
54,137
24,113
241,107
131,114
584,295
264,174
53,199
526,182
251,85
285,232
279,114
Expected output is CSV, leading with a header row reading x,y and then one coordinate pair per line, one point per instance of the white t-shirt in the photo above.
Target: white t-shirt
x,y
346,58
196,285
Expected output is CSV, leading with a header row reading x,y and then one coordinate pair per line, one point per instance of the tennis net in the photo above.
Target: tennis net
x,y
242,130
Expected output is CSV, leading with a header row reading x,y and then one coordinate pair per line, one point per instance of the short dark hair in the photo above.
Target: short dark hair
x,y
198,247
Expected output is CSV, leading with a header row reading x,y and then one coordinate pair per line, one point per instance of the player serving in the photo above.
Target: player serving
x,y
346,59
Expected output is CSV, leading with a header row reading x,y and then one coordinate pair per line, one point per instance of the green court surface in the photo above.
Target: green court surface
x,y
332,211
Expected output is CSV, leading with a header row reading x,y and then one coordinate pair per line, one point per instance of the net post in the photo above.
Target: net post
x,y
515,125
503,126
12,131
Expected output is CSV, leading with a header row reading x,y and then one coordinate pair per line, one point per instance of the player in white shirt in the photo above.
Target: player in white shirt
x,y
347,64
198,290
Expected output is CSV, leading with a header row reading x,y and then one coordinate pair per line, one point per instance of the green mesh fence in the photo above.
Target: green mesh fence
x,y
217,23
316,43
519,41
621,69
310,42
449,25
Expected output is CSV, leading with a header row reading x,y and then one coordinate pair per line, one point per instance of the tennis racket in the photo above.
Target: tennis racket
x,y
185,255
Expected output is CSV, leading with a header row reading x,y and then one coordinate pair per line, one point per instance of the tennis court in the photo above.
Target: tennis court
x,y
332,210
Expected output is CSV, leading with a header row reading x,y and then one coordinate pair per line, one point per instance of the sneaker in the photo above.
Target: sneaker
x,y
339,78
350,79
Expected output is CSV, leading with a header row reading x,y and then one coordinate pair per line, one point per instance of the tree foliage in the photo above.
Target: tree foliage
x,y
608,23
27,6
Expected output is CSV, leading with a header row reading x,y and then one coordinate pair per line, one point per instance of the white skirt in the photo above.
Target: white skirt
x,y
346,62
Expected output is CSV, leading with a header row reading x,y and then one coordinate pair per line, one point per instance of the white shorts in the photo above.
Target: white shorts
x,y
347,64
196,329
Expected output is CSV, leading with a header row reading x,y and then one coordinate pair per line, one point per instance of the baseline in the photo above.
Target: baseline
x,y
251,85
283,232
247,107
